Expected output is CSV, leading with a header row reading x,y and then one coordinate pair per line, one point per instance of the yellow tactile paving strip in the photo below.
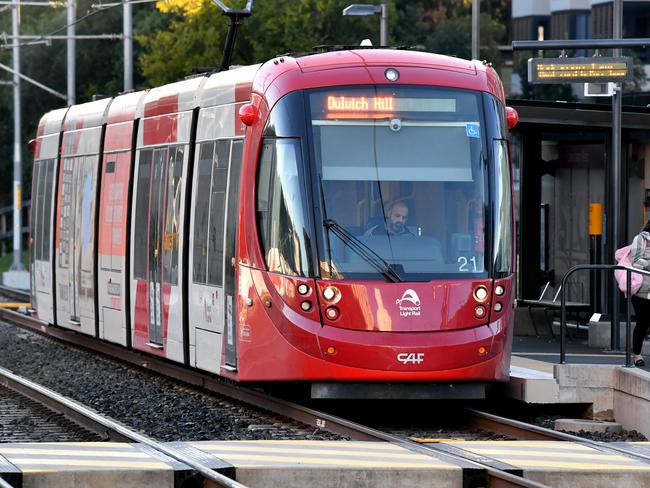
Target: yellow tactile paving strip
x,y
559,455
370,455
70,456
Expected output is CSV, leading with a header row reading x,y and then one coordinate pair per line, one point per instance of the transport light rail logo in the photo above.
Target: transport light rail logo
x,y
412,307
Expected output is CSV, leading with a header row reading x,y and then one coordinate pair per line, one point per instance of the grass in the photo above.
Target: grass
x,y
7,260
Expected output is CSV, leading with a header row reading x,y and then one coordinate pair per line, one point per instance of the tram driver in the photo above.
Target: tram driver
x,y
396,216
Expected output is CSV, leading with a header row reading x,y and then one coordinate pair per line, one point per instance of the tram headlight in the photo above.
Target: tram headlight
x,y
498,306
305,306
499,290
391,74
330,293
303,289
480,293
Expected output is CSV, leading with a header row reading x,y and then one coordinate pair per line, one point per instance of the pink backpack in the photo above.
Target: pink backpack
x,y
623,257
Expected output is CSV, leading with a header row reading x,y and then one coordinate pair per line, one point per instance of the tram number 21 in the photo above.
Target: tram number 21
x,y
464,264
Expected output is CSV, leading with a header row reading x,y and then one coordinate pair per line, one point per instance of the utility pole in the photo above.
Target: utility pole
x,y
72,68
17,264
476,29
128,46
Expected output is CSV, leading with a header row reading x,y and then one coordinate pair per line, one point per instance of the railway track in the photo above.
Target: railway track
x,y
14,294
106,426
321,420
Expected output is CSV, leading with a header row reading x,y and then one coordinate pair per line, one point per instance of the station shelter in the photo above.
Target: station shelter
x,y
562,167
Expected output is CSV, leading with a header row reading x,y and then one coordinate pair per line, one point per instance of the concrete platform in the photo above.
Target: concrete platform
x,y
299,464
563,464
269,464
93,464
614,392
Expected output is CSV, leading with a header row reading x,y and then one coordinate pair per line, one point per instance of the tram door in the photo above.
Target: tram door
x,y
75,266
155,247
156,235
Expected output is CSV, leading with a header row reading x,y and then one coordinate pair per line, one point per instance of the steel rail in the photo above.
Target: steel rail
x,y
526,431
94,421
14,293
321,420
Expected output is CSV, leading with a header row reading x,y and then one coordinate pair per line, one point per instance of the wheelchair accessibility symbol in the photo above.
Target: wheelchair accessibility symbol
x,y
472,130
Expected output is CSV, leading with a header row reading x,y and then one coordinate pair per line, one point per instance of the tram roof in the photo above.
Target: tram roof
x,y
86,115
51,122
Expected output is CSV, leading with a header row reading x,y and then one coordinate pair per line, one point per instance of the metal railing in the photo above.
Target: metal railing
x,y
615,329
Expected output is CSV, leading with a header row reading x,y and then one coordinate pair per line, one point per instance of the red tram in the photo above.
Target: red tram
x,y
343,219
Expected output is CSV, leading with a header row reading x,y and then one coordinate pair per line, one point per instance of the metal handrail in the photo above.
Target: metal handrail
x,y
601,267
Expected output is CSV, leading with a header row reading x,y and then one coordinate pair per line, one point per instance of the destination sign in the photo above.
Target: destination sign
x,y
580,70
342,106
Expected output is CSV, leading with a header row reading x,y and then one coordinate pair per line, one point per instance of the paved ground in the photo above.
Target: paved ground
x,y
548,349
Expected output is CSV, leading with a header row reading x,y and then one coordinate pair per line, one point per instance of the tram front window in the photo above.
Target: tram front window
x,y
403,181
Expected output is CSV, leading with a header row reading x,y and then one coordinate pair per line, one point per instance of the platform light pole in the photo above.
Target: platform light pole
x,y
615,175
362,9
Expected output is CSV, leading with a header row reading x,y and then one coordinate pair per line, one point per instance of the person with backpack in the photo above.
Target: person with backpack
x,y
641,299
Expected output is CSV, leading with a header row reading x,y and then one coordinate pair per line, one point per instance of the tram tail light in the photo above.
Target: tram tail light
x,y
332,313
480,311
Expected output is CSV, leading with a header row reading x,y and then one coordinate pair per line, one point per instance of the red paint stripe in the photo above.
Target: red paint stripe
x,y
166,104
243,91
118,136
160,130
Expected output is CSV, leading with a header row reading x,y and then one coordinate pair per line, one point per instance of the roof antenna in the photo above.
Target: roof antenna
x,y
236,17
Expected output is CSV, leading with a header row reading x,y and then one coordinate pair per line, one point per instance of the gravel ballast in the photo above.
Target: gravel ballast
x,y
158,407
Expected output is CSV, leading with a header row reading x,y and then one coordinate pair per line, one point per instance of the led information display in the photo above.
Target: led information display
x,y
577,70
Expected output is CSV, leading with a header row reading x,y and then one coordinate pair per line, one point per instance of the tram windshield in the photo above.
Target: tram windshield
x,y
402,182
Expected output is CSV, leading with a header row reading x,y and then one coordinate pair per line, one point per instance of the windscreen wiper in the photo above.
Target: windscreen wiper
x,y
374,259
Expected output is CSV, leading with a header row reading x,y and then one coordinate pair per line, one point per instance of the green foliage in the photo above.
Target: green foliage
x,y
99,70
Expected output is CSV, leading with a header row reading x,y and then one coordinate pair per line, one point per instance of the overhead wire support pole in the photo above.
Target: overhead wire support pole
x,y
17,264
71,54
128,45
476,29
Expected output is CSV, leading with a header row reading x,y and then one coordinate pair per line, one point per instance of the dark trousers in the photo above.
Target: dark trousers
x,y
642,312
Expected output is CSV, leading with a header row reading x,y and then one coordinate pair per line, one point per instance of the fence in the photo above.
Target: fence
x,y
614,318
7,226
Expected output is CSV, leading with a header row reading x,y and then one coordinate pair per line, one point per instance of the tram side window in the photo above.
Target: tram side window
x,y
173,214
66,225
217,212
141,221
36,212
201,212
47,206
502,211
281,213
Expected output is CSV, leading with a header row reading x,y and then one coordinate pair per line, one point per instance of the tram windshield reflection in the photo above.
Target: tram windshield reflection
x,y
401,170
